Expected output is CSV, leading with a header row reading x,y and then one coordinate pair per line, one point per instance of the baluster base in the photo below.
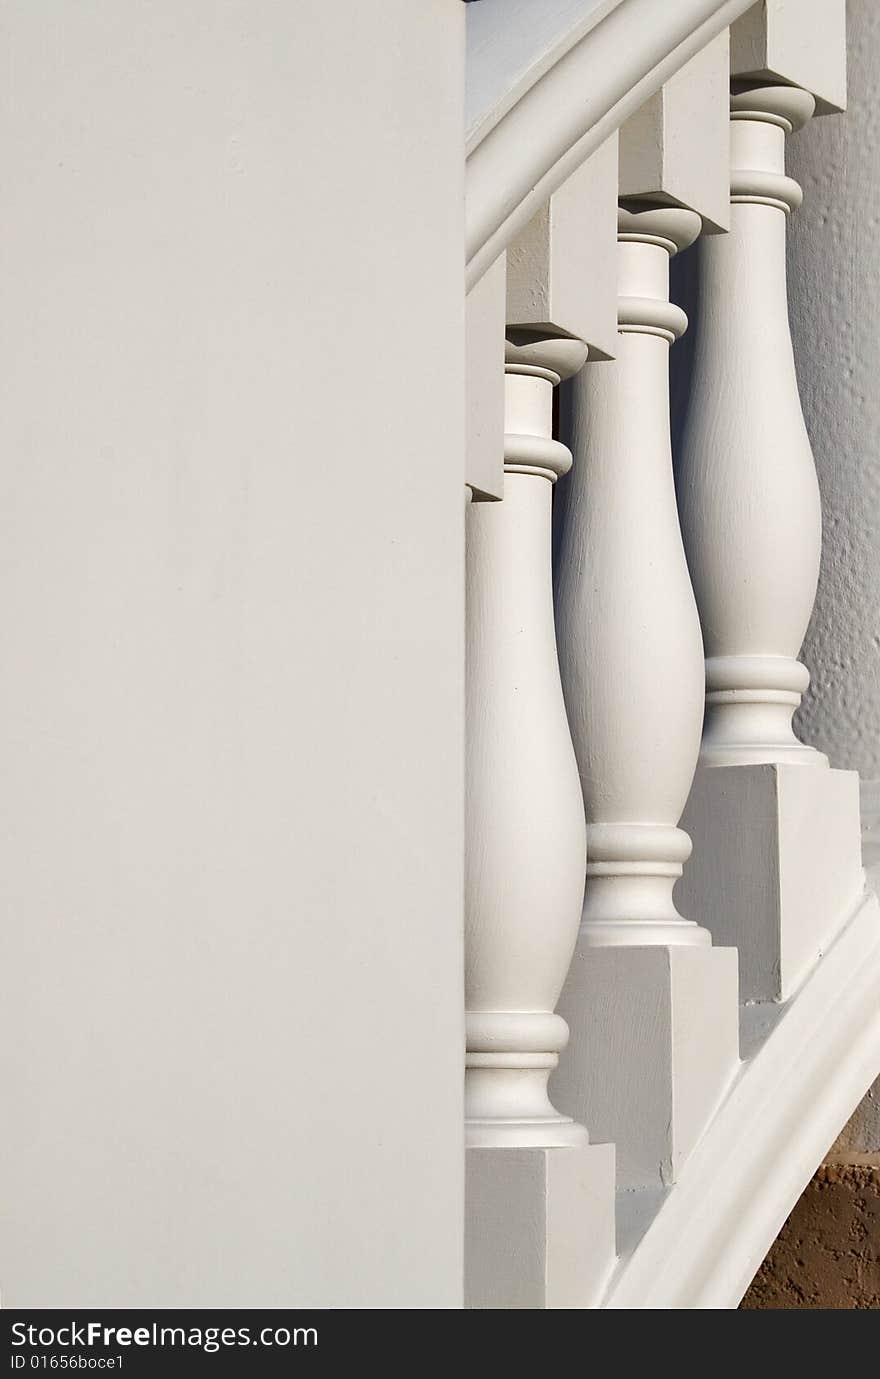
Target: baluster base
x,y
539,1227
792,754
507,1106
631,872
559,1133
750,703
777,860
654,1046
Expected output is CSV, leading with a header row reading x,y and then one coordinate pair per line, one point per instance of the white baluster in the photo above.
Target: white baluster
x,y
526,851
747,487
643,976
539,1220
776,852
629,634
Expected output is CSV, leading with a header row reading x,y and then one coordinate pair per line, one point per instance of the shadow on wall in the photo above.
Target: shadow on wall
x,y
684,289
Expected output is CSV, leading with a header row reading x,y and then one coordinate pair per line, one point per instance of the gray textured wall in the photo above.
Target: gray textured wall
x,y
834,295
834,280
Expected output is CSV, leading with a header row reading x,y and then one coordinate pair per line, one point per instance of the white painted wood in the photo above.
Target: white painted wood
x,y
704,1245
651,1007
525,851
776,866
539,111
747,489
539,1228
628,631
562,268
654,1045
869,798
485,320
801,43
505,137
674,149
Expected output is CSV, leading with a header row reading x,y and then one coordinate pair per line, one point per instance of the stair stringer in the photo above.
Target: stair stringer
x,y
785,1109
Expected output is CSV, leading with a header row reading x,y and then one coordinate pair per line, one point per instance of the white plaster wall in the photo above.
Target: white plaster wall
x,y
834,279
834,294
231,611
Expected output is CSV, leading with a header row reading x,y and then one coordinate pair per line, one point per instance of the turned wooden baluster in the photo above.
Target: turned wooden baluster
x,y
776,845
629,634
747,489
525,821
643,973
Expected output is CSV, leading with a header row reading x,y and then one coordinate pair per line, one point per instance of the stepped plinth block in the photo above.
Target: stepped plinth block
x,y
654,1045
540,1227
777,863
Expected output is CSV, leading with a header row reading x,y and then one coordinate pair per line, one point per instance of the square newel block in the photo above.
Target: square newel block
x,y
485,321
562,267
776,866
654,1046
675,149
803,44
539,1226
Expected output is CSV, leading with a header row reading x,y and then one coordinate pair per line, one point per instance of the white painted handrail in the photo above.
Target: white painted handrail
x,y
541,105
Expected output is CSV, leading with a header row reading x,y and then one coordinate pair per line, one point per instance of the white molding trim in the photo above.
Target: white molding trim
x,y
553,115
792,1098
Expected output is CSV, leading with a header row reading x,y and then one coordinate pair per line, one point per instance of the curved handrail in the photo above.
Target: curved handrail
x,y
536,119
510,44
